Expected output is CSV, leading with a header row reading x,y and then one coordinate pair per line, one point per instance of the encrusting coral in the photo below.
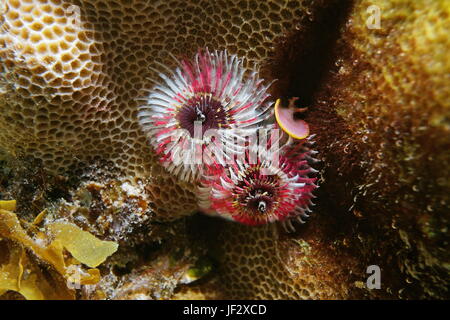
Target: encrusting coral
x,y
380,111
73,72
378,102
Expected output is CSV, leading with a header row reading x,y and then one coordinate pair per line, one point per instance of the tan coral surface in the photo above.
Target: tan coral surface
x,y
378,100
73,72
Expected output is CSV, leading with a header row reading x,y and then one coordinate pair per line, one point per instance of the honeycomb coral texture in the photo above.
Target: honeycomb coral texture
x,y
73,71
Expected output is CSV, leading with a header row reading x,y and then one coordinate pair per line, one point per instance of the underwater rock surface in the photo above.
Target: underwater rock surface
x,y
378,101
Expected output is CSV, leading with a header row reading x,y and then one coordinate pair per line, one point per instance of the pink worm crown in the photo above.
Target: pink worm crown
x,y
215,93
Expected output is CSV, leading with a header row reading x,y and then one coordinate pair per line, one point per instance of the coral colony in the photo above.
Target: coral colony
x,y
207,120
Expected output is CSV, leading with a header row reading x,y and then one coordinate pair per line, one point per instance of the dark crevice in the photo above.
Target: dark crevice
x,y
304,57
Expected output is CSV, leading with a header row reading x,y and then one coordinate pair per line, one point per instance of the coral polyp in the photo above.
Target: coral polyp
x,y
212,92
275,187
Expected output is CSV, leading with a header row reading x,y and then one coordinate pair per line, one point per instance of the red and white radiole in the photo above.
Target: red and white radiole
x,y
203,119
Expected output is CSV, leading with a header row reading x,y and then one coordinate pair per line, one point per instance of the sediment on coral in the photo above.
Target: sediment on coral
x,y
378,101
392,154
